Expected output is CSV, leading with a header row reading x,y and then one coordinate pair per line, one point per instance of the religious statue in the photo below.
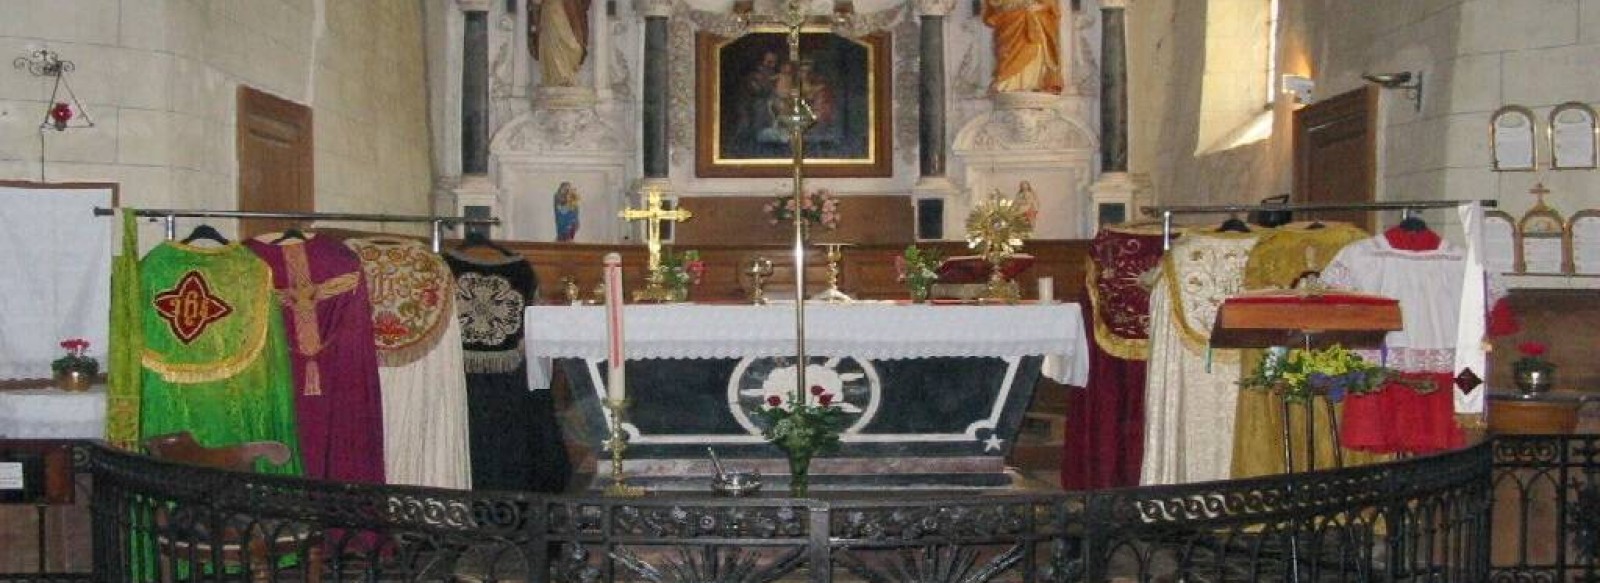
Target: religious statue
x,y
558,37
566,205
1026,52
1029,201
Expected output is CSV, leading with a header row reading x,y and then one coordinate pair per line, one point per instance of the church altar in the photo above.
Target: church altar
x,y
935,394
51,413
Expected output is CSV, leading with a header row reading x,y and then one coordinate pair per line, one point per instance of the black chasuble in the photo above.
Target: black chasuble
x,y
515,440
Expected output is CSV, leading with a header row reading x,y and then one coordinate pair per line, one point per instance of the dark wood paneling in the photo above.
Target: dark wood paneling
x,y
1568,321
866,271
743,220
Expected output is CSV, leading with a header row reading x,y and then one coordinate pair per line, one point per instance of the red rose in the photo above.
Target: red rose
x,y
1534,349
825,399
817,389
774,401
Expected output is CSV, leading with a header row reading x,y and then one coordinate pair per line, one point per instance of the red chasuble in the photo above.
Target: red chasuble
x,y
1104,445
323,296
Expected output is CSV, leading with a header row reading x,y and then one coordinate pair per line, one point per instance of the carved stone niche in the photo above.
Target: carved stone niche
x,y
1030,137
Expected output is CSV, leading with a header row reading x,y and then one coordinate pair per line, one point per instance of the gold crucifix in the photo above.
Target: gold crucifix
x,y
652,214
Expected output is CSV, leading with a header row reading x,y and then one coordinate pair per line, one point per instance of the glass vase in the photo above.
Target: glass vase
x,y
799,474
919,293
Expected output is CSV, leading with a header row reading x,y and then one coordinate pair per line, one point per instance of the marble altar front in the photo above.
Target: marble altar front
x,y
935,394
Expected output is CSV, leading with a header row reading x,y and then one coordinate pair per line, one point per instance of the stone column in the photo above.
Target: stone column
x,y
933,191
1116,193
654,93
930,102
1114,88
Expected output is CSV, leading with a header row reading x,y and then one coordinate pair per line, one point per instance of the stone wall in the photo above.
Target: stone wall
x,y
1475,56
159,78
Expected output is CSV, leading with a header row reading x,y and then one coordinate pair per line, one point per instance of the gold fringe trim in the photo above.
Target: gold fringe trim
x,y
1114,345
493,361
204,372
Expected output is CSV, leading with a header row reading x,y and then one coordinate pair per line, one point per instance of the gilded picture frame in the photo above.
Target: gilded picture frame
x,y
1511,139
1573,137
739,93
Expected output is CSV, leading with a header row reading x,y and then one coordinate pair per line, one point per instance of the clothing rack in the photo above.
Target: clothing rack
x,y
1166,212
437,222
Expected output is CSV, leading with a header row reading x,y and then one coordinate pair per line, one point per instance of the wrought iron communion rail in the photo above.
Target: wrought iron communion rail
x,y
1424,518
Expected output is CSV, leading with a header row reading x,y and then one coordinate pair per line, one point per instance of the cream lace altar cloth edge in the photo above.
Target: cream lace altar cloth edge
x,y
870,331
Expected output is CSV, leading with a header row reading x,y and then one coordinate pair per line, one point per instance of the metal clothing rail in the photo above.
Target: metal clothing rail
x,y
437,222
1166,212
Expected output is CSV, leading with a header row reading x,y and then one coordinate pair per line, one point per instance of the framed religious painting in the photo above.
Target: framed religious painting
x,y
1572,136
741,96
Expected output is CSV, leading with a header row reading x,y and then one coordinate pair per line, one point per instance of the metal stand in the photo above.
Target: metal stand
x,y
618,442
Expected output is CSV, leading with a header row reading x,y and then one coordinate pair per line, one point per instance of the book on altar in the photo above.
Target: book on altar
x,y
973,269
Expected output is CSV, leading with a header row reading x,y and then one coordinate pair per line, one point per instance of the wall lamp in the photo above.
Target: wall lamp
x,y
1410,82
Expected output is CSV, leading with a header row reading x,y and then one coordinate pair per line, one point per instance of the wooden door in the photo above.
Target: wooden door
x,y
1335,154
275,163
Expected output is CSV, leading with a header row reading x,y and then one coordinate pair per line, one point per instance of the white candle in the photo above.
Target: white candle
x,y
1047,290
615,381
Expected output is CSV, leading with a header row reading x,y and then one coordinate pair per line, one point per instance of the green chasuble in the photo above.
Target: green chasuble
x,y
216,362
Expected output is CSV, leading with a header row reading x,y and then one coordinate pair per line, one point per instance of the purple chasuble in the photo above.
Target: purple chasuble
x,y
327,316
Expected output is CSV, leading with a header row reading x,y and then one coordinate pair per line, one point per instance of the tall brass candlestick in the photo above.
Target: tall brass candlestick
x,y
617,443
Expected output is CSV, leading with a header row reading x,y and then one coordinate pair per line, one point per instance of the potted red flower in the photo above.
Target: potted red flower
x,y
76,370
1532,373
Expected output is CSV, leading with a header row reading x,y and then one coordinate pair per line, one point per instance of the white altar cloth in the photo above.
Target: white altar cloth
x,y
53,414
873,331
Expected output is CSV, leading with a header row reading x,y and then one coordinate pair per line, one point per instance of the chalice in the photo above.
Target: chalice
x,y
759,269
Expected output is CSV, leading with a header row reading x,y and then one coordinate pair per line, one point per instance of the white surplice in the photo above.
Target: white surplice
x,y
1428,285
1192,389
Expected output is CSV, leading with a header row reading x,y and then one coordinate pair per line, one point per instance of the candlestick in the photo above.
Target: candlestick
x,y
1047,290
616,384
617,443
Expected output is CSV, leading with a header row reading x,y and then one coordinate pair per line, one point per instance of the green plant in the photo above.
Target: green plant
x,y
681,270
1333,371
76,360
805,423
1532,359
918,269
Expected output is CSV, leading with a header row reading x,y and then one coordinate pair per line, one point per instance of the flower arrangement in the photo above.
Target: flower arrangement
x,y
1532,360
804,426
918,269
679,271
76,360
819,207
1334,372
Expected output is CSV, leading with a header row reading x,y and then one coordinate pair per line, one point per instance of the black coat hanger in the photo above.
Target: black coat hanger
x,y
287,234
477,239
207,232
1413,222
